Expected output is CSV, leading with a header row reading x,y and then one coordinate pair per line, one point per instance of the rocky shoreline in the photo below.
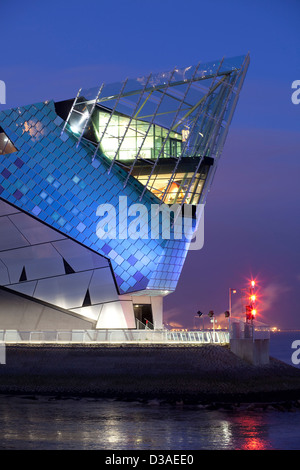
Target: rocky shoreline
x,y
208,376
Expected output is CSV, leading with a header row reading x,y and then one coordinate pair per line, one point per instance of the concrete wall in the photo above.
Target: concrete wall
x,y
255,352
157,309
62,281
20,313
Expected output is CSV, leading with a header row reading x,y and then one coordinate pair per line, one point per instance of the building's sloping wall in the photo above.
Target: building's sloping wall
x,y
43,264
19,312
60,184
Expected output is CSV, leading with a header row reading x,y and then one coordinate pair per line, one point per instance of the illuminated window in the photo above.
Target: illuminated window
x,y
134,137
183,187
6,145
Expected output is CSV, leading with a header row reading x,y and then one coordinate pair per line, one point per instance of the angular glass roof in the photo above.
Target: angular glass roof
x,y
195,102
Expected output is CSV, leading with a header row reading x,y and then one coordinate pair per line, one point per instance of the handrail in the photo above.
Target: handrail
x,y
143,334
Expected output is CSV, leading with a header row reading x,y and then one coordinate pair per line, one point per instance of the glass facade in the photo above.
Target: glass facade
x,y
184,186
137,135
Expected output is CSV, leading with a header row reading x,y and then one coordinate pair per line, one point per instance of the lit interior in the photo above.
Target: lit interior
x,y
137,135
6,145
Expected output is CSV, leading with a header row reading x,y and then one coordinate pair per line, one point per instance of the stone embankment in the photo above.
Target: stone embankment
x,y
206,374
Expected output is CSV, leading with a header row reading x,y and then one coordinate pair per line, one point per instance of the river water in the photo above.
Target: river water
x,y
86,424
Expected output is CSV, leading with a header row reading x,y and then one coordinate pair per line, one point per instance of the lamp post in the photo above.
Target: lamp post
x,y
231,291
200,314
211,316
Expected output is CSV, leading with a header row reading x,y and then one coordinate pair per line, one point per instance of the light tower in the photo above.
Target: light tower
x,y
251,308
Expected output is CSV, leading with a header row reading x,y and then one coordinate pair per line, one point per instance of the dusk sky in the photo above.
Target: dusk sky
x,y
51,49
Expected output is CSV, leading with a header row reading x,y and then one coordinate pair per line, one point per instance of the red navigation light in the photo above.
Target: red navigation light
x,y
253,298
248,312
252,283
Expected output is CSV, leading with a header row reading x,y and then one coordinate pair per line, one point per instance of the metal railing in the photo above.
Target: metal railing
x,y
204,336
144,326
146,335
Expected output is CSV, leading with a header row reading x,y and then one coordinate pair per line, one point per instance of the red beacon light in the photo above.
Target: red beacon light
x,y
250,313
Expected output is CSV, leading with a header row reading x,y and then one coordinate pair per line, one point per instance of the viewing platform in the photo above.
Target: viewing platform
x,y
144,334
124,336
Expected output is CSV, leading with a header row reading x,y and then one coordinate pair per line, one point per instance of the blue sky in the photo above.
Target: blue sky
x,y
50,49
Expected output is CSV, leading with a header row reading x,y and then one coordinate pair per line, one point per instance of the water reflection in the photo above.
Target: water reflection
x,y
253,431
226,433
256,444
111,425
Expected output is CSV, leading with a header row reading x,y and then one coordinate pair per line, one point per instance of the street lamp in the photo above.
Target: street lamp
x,y
231,291
211,316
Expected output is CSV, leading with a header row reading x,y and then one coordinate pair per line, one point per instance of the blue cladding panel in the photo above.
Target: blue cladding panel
x,y
60,184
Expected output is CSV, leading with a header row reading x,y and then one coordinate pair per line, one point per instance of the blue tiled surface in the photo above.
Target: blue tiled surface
x,y
59,184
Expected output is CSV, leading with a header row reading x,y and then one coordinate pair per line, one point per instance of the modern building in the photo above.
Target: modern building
x,y
154,141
